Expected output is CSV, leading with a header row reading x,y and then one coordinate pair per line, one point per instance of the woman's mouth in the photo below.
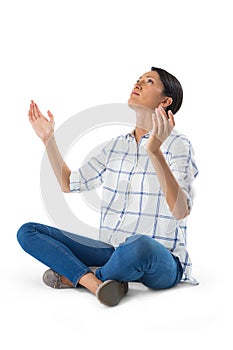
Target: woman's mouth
x,y
135,93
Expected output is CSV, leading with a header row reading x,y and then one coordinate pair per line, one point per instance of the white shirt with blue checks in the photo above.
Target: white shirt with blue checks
x,y
132,200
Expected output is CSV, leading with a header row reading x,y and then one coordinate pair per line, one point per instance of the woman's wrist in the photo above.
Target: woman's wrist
x,y
153,145
47,139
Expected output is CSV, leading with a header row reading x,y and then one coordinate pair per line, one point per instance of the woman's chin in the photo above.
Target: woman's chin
x,y
139,107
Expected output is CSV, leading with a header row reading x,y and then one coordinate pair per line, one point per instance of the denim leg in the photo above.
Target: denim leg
x,y
141,258
66,253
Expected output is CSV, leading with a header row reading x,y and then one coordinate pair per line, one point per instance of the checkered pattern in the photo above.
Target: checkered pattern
x,y
133,201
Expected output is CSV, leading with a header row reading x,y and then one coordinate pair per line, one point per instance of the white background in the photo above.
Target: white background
x,y
72,55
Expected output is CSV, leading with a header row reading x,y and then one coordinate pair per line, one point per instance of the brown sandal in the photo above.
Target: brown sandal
x,y
53,280
111,292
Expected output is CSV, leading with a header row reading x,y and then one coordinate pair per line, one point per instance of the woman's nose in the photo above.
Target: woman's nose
x,y
138,86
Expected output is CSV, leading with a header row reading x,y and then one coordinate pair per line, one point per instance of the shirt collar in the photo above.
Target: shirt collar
x,y
130,135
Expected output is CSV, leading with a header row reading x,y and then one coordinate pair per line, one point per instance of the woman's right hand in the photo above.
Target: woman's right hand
x,y
43,127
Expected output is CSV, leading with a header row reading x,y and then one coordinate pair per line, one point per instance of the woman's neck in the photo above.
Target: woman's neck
x,y
139,132
143,123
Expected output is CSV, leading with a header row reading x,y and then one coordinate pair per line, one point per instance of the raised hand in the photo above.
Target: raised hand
x,y
163,123
43,127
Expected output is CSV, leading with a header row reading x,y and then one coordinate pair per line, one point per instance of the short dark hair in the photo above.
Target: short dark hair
x,y
172,88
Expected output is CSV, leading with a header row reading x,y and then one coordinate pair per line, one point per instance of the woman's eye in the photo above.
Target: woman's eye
x,y
150,81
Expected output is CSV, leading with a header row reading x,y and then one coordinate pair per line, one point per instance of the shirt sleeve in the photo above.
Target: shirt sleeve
x,y
90,175
183,166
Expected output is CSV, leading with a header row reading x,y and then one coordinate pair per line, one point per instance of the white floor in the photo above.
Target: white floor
x,y
35,316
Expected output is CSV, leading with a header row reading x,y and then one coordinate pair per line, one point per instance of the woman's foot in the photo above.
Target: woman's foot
x,y
108,293
111,292
54,280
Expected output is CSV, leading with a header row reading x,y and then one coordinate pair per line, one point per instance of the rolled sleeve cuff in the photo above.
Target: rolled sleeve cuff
x,y
75,183
189,199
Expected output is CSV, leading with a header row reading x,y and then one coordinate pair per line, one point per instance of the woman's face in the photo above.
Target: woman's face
x,y
147,92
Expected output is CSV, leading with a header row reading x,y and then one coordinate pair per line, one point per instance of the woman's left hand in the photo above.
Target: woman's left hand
x,y
163,123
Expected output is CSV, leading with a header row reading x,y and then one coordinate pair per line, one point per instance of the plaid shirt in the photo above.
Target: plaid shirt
x,y
133,201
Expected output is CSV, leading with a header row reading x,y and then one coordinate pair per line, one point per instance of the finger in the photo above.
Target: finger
x,y
171,118
159,122
31,114
50,115
163,115
154,124
34,110
167,123
51,118
39,114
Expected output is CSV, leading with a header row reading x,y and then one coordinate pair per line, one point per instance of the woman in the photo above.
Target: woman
x,y
147,178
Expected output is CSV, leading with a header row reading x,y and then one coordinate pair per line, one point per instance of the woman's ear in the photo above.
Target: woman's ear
x,y
167,101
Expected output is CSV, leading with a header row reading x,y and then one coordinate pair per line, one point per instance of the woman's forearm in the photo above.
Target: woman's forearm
x,y
175,196
61,170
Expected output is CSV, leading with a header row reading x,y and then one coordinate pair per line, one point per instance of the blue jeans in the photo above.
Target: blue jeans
x,y
140,258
